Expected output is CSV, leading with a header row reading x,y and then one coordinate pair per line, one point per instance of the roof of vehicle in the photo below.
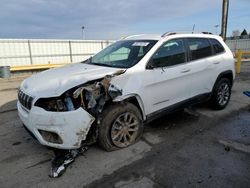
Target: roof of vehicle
x,y
144,37
159,37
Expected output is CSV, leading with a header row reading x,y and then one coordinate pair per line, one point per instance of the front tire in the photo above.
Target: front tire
x,y
121,126
221,94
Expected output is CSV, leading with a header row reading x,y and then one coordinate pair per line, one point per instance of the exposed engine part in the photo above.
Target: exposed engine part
x,y
69,104
114,91
95,96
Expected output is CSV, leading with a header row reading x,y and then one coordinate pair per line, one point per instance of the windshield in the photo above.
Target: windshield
x,y
122,54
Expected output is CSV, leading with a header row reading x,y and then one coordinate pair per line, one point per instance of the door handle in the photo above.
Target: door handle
x,y
185,70
216,63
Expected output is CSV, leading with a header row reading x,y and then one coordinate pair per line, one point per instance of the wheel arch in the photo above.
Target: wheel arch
x,y
136,100
226,74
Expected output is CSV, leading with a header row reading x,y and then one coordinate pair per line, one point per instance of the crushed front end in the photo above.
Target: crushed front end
x,y
57,129
64,122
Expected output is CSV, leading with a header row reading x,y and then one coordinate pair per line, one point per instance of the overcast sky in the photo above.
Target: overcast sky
x,y
112,19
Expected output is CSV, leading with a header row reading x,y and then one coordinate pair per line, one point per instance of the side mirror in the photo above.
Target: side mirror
x,y
150,64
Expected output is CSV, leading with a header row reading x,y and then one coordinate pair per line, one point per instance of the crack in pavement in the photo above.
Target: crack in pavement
x,y
236,145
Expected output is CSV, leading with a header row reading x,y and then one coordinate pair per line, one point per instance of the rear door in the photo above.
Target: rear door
x,y
220,62
201,64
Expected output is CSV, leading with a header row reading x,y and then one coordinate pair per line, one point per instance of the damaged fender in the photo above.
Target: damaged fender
x,y
94,96
138,98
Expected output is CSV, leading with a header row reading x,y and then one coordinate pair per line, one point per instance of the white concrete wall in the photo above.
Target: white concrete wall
x,y
15,52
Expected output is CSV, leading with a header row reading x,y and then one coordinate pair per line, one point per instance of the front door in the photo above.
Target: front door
x,y
166,81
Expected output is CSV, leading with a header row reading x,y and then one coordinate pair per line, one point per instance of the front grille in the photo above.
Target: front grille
x,y
25,99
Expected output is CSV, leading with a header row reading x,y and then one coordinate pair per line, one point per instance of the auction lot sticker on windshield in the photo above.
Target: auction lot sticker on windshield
x,y
140,44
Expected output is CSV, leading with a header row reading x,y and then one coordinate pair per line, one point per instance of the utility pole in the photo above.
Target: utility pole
x,y
224,19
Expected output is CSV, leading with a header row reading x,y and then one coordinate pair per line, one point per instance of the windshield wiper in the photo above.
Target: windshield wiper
x,y
101,64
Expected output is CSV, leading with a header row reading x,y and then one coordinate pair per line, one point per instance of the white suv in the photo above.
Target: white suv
x,y
109,97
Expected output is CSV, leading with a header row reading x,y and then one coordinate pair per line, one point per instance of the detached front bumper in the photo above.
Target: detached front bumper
x,y
63,130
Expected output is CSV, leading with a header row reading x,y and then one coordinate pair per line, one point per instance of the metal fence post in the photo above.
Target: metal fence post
x,y
30,53
70,52
102,44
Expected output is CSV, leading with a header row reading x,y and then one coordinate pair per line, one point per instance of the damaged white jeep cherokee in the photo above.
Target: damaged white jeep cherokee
x,y
108,97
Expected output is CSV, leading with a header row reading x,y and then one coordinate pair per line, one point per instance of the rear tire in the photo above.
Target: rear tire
x,y
121,126
221,94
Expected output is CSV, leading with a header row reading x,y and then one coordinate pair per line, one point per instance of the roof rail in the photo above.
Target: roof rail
x,y
206,32
130,36
168,34
185,32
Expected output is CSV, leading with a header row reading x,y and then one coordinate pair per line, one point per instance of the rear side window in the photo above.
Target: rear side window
x,y
218,48
199,48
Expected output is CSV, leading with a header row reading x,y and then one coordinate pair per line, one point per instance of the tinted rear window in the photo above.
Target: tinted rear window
x,y
199,48
218,48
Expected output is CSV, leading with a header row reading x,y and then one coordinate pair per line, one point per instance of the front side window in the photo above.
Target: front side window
x,y
170,53
218,48
199,48
122,54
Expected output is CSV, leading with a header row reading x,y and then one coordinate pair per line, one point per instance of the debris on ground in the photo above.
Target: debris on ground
x,y
199,181
227,148
62,159
247,93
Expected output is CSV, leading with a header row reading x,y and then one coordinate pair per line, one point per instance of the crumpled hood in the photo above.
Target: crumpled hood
x,y
54,82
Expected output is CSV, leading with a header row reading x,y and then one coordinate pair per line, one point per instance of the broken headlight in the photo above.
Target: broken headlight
x,y
55,104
